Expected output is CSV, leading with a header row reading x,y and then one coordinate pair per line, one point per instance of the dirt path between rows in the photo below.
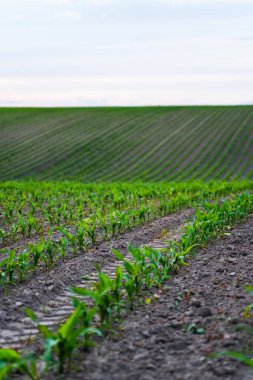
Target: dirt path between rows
x,y
153,341
47,293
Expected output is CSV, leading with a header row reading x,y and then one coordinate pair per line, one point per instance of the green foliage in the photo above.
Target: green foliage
x,y
11,361
185,146
108,296
67,218
36,251
63,342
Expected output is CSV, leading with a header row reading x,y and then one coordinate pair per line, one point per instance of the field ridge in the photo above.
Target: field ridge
x,y
127,143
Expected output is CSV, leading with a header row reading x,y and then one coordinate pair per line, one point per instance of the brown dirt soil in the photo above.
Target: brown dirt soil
x,y
153,341
43,288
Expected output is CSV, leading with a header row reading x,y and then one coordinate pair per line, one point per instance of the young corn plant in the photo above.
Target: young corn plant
x,y
36,251
11,362
62,247
113,223
105,227
159,266
86,321
133,278
20,225
50,254
116,289
64,342
8,212
90,228
101,297
24,265
2,278
9,266
31,224
80,237
71,238
3,236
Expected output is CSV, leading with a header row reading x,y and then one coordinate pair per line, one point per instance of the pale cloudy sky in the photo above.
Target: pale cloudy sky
x,y
125,52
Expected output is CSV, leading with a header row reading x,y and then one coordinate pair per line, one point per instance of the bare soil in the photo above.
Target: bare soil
x,y
42,289
158,341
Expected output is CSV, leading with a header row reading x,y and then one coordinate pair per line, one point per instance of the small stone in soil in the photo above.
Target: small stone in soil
x,y
195,302
17,305
232,321
205,312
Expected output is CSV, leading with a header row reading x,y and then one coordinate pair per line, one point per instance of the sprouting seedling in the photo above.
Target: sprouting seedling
x,y
80,237
50,217
86,321
62,342
101,297
104,224
33,207
31,223
62,246
71,238
24,265
116,288
158,269
132,278
248,311
2,278
2,235
113,223
11,361
22,225
10,264
50,248
8,212
90,228
36,250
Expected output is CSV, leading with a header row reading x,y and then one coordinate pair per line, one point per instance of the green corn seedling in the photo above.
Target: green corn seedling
x,y
62,246
9,266
86,321
36,250
80,237
64,341
3,236
90,228
102,298
11,362
49,257
71,238
23,265
132,279
31,223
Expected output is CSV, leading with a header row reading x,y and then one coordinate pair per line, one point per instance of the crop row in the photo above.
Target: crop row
x,y
65,138
153,143
109,298
43,222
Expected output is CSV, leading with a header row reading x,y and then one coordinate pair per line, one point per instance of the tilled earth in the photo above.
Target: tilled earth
x,y
195,314
45,292
160,340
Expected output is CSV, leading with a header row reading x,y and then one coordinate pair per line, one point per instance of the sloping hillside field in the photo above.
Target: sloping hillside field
x,y
112,144
123,223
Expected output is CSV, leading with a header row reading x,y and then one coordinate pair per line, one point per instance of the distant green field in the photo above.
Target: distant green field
x,y
127,144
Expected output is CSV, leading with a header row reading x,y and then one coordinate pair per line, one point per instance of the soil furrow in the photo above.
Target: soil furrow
x,y
195,314
47,293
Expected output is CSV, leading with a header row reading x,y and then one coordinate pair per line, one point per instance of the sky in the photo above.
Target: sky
x,y
125,52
